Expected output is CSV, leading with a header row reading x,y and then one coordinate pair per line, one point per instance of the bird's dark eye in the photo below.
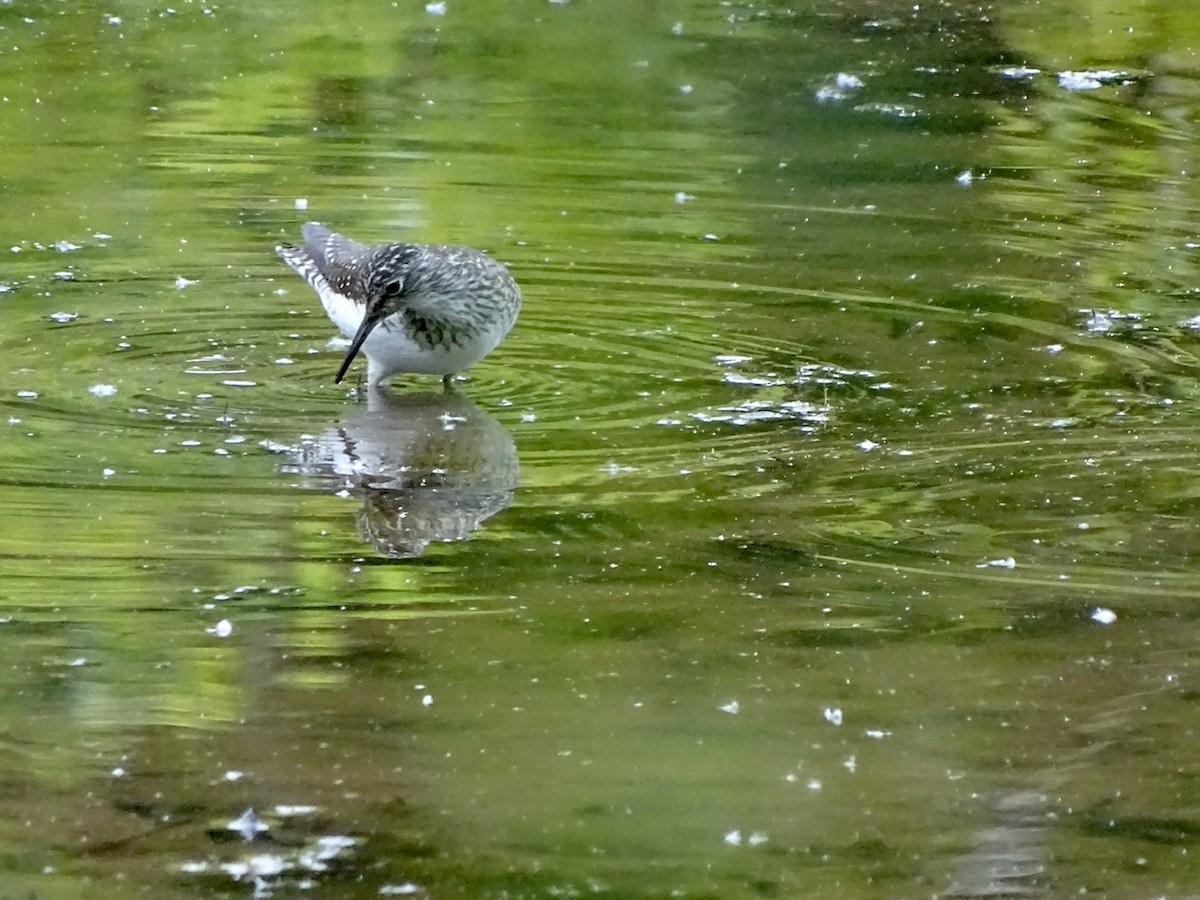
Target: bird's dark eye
x,y
392,288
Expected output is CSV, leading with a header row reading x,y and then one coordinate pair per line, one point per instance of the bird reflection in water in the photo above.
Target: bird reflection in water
x,y
429,467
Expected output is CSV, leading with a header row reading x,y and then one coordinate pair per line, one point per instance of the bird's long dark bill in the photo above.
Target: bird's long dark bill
x,y
368,323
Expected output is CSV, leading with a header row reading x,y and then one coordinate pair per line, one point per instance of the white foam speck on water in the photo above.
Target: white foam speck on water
x,y
181,282
229,382
66,247
842,85
833,715
332,844
1102,615
248,824
400,890
436,9
1005,563
27,395
732,707
222,629
867,445
265,865
1090,79
103,390
300,203
753,839
295,809
683,197
233,775
62,318
108,473
965,178
612,469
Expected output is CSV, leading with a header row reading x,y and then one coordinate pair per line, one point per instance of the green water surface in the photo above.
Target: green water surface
x,y
825,528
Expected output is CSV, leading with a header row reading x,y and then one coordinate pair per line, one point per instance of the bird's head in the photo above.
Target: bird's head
x,y
384,288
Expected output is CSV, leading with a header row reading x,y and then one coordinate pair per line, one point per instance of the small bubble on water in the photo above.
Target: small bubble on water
x,y
222,629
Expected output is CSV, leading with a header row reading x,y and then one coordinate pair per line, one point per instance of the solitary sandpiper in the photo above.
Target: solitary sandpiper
x,y
422,308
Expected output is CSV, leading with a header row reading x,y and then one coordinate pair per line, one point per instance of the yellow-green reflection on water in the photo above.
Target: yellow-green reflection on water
x,y
824,528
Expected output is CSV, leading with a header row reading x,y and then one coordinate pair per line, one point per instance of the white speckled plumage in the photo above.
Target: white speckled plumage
x,y
420,308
